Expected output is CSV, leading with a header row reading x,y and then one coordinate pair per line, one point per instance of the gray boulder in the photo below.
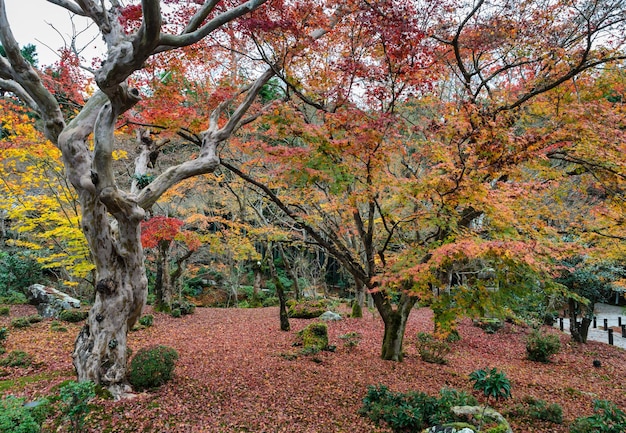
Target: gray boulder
x,y
50,301
330,316
489,414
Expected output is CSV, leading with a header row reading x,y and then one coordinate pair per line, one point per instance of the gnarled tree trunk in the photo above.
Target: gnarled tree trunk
x,y
100,351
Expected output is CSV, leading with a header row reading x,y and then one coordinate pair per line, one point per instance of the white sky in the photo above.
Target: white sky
x,y
30,21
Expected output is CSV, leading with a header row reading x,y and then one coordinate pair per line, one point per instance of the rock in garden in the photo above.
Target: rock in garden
x,y
330,316
50,301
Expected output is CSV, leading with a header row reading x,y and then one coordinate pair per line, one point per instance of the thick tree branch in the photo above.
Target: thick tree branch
x,y
196,21
20,92
24,74
70,6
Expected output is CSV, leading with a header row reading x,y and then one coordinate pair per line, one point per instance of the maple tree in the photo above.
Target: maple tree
x,y
398,184
163,234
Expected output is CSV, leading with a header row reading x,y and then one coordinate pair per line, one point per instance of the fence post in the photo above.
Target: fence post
x,y
561,323
606,324
595,322
611,337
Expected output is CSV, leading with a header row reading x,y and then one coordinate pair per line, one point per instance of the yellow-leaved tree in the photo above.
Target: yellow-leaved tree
x,y
40,209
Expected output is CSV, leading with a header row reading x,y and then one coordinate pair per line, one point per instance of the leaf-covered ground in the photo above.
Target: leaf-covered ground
x,y
234,373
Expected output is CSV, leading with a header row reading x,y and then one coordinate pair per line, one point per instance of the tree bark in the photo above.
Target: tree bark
x,y
291,273
163,289
395,324
579,330
284,318
359,301
100,351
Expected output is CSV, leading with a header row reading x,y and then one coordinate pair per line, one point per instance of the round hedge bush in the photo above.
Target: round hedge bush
x,y
152,367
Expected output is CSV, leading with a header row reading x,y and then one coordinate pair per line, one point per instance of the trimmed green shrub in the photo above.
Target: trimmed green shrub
x,y
75,397
147,320
4,333
73,316
34,318
432,349
607,418
540,347
18,417
16,358
4,311
185,307
411,411
152,367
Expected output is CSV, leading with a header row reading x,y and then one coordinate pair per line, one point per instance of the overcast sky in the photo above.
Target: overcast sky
x,y
49,27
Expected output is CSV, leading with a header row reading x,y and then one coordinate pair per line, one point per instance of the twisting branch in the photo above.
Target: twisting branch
x,y
19,70
343,256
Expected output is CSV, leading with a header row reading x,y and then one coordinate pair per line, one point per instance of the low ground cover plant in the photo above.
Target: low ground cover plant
x,y
411,411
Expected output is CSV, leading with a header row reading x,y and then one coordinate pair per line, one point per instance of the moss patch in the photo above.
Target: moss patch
x,y
306,309
19,383
314,336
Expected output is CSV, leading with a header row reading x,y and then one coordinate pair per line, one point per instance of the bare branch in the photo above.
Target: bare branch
x,y
241,110
70,6
197,20
168,42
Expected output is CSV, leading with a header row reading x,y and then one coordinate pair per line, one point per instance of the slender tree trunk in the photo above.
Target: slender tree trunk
x,y
163,288
158,286
177,274
291,273
168,289
256,285
284,318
